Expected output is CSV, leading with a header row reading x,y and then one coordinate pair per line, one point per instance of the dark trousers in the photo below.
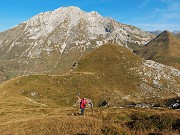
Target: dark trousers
x,y
82,111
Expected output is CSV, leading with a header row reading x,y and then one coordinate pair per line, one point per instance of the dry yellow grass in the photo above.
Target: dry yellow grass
x,y
56,121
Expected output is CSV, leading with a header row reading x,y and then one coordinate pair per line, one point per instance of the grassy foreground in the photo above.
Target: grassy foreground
x,y
104,121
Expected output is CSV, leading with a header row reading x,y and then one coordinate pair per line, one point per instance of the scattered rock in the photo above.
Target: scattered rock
x,y
173,103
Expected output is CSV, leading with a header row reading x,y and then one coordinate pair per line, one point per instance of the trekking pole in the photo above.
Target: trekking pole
x,y
90,103
78,96
91,107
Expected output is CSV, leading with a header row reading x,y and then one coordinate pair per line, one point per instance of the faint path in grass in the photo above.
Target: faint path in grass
x,y
35,102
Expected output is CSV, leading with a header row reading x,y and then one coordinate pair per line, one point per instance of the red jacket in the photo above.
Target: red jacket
x,y
83,103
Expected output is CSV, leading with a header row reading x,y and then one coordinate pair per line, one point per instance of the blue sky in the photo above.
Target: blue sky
x,y
145,14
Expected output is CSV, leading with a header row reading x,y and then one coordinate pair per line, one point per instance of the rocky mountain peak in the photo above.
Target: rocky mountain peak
x,y
68,9
55,39
44,23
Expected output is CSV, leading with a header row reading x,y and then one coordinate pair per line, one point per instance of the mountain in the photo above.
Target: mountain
x,y
53,41
165,49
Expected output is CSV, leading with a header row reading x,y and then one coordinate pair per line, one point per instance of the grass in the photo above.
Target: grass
x,y
171,61
100,76
103,75
112,63
44,104
107,121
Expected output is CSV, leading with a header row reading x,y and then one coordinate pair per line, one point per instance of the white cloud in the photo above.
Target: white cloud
x,y
145,2
154,25
168,15
172,15
174,6
158,26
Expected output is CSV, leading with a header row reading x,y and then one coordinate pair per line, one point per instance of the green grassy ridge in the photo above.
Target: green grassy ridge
x,y
113,62
102,75
58,89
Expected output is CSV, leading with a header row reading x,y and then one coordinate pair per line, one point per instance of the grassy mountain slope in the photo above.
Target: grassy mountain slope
x,y
110,73
101,75
113,64
44,104
165,49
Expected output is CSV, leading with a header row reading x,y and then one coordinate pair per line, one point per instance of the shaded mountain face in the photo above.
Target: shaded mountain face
x,y
51,42
3,76
165,49
177,35
110,73
157,32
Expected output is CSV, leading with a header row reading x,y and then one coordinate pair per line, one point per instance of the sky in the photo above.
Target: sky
x,y
149,15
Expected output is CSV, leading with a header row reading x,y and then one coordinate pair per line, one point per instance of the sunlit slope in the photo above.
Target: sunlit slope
x,y
110,73
113,63
101,75
49,90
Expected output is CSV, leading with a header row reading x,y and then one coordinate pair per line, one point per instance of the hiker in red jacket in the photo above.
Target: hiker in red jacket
x,y
83,103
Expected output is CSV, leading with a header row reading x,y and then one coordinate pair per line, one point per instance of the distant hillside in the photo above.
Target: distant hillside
x,y
157,32
165,49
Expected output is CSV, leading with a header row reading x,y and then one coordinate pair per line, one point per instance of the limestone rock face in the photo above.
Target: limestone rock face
x,y
52,41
